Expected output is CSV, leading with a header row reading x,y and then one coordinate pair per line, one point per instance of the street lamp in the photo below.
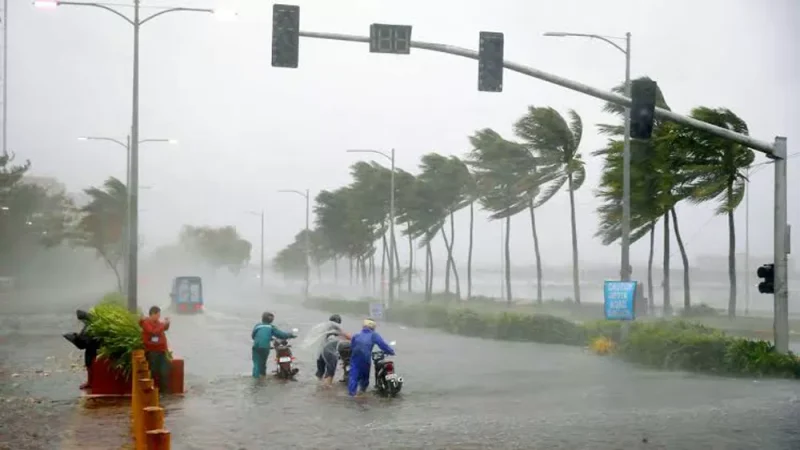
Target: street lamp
x,y
307,196
126,145
390,157
625,270
136,22
261,277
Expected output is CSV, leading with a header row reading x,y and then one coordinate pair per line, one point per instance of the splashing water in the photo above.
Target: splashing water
x,y
315,338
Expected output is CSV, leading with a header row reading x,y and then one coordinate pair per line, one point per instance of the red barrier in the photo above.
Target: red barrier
x,y
107,381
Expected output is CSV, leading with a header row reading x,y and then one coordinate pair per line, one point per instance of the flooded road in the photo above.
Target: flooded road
x,y
463,393
460,393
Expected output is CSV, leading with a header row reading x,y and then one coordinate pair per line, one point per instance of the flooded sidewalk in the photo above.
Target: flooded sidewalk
x,y
41,406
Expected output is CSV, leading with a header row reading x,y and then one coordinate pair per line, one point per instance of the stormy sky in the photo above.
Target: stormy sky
x,y
247,130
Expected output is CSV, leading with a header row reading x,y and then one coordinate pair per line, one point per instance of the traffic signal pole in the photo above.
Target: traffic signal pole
x,y
781,294
776,151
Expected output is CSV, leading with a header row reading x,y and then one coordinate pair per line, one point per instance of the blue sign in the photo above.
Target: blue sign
x,y
619,299
376,310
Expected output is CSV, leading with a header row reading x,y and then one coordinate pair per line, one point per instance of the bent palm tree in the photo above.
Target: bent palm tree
x,y
554,144
719,174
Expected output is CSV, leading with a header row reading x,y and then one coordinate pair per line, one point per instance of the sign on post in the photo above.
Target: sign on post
x,y
376,311
620,300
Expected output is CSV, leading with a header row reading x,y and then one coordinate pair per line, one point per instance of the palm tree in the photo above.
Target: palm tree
x,y
447,177
404,205
554,143
101,223
659,182
498,166
470,195
423,216
718,168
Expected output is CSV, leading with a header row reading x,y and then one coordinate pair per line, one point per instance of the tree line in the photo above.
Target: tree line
x,y
33,215
509,176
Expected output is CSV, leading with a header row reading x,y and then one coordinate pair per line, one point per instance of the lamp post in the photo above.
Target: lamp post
x,y
390,157
307,196
261,276
133,201
625,269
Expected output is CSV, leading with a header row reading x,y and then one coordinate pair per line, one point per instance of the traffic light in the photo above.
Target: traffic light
x,y
643,99
385,38
490,62
767,272
285,35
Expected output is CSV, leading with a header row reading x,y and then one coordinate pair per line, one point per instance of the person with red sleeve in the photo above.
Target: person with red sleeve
x,y
155,346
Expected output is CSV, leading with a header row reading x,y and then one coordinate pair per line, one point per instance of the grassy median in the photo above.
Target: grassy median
x,y
667,344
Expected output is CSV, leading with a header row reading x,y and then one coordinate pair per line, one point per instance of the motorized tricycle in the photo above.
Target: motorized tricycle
x,y
186,296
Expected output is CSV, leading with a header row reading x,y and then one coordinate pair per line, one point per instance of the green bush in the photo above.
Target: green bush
x,y
665,344
117,331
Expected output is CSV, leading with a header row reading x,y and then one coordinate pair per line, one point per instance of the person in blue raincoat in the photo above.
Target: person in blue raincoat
x,y
361,346
262,338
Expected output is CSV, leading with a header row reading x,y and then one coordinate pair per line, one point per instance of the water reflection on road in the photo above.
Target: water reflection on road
x,y
463,393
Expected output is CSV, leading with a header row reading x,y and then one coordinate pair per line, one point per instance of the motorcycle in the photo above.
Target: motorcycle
x,y
387,382
344,357
284,358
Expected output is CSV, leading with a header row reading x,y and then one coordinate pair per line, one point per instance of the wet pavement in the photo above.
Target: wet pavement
x,y
460,393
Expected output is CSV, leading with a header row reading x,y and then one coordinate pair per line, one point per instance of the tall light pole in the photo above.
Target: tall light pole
x,y
128,214
625,263
307,196
261,276
133,189
390,157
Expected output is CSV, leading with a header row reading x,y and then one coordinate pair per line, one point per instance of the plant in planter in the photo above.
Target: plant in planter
x,y
117,330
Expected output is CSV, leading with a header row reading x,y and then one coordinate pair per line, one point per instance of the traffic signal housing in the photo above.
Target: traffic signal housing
x,y
767,272
490,62
285,35
643,108
387,38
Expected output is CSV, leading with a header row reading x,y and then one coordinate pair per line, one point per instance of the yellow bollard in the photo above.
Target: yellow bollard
x,y
158,440
153,418
137,359
148,396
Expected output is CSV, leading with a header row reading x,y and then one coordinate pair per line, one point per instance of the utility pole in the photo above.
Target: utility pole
x,y
5,77
307,196
308,242
747,276
261,276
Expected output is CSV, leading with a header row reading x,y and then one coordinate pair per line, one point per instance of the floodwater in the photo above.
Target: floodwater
x,y
459,393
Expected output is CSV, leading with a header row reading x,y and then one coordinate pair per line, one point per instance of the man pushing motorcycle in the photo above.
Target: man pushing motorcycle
x,y
329,349
361,359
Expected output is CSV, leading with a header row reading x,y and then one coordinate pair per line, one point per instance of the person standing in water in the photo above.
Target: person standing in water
x,y
155,347
329,349
361,359
262,338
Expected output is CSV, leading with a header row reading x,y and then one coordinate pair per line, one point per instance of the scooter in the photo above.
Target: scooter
x,y
387,382
344,356
284,358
